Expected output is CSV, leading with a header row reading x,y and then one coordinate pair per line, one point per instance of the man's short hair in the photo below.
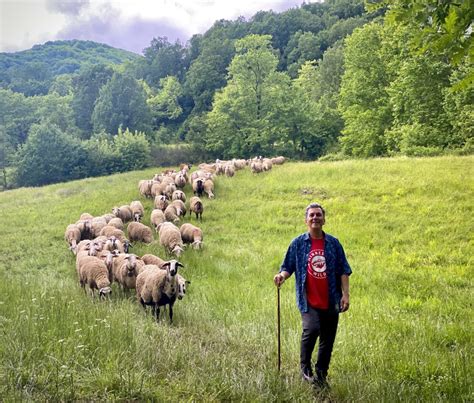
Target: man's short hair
x,y
314,205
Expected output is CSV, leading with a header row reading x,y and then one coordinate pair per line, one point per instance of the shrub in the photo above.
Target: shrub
x,y
133,150
49,156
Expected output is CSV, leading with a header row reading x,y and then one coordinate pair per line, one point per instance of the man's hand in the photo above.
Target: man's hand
x,y
344,302
279,279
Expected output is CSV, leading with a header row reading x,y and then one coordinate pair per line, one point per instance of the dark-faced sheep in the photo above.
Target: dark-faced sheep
x,y
196,207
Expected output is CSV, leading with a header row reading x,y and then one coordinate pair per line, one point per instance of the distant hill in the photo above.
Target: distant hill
x,y
32,71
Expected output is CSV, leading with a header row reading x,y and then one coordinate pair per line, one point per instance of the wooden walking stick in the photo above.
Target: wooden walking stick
x,y
278,325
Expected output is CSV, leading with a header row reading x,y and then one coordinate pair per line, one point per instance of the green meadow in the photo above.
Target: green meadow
x,y
407,228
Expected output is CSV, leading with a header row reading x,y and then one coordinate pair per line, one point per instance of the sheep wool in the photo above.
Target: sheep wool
x,y
192,235
156,218
123,212
196,206
139,232
93,272
72,236
126,269
152,259
170,238
137,210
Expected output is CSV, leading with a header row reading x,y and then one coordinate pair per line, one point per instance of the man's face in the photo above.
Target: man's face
x,y
315,218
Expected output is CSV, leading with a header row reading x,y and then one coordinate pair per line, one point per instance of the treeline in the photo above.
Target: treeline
x,y
325,79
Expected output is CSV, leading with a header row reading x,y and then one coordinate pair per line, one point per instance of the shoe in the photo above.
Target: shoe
x,y
320,380
307,374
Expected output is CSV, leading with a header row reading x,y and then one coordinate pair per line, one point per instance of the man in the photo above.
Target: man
x,y
322,290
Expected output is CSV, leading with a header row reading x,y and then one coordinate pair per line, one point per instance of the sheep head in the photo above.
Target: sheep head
x,y
172,266
105,292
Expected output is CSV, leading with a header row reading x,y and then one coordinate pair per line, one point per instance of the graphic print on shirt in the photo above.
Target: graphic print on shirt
x,y
317,264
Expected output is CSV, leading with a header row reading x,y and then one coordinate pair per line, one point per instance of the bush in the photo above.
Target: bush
x,y
49,156
133,150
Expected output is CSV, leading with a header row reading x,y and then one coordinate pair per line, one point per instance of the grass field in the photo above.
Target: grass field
x,y
406,225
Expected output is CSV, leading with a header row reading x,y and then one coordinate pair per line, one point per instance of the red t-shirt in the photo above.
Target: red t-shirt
x,y
317,287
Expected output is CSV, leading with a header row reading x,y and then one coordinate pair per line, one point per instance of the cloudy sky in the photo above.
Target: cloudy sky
x,y
126,24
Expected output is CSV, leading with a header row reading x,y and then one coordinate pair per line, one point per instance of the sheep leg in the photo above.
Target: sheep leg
x,y
171,313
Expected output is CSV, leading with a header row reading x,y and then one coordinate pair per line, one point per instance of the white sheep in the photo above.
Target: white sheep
x,y
116,222
180,207
110,230
123,212
144,187
209,188
182,285
229,170
192,235
178,195
72,235
180,180
160,202
97,223
158,287
196,206
93,272
170,238
256,167
156,218
171,214
137,210
125,270
139,232
152,259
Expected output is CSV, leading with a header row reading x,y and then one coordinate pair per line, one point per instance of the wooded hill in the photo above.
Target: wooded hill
x,y
330,80
33,71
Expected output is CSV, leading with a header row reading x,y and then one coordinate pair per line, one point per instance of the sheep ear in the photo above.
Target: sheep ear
x,y
188,282
179,264
165,264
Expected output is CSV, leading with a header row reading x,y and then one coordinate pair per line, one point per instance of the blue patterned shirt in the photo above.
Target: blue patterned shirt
x,y
296,261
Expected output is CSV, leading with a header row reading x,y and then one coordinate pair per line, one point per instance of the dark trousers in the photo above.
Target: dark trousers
x,y
322,324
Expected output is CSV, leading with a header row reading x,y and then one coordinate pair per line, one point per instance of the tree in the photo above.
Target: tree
x,y
163,59
363,99
440,26
49,156
121,103
86,91
239,123
6,154
165,105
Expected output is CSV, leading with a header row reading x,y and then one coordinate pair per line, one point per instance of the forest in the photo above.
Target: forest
x,y
333,80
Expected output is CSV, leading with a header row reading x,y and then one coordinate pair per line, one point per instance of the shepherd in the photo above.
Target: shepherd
x,y
322,291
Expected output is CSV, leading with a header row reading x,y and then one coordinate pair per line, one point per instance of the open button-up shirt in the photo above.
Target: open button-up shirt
x,y
296,261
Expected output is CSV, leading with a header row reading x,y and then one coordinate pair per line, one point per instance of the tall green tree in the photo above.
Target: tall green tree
x,y
239,122
363,100
165,106
121,103
86,87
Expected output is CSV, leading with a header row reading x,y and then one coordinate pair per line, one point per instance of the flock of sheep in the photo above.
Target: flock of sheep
x,y
102,248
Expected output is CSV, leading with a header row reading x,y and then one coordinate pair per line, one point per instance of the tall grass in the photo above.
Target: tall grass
x,y
406,226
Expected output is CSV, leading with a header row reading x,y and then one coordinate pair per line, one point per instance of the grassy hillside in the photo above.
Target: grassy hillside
x,y
406,225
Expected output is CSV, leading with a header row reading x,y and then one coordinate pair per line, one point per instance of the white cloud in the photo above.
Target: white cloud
x,y
28,22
